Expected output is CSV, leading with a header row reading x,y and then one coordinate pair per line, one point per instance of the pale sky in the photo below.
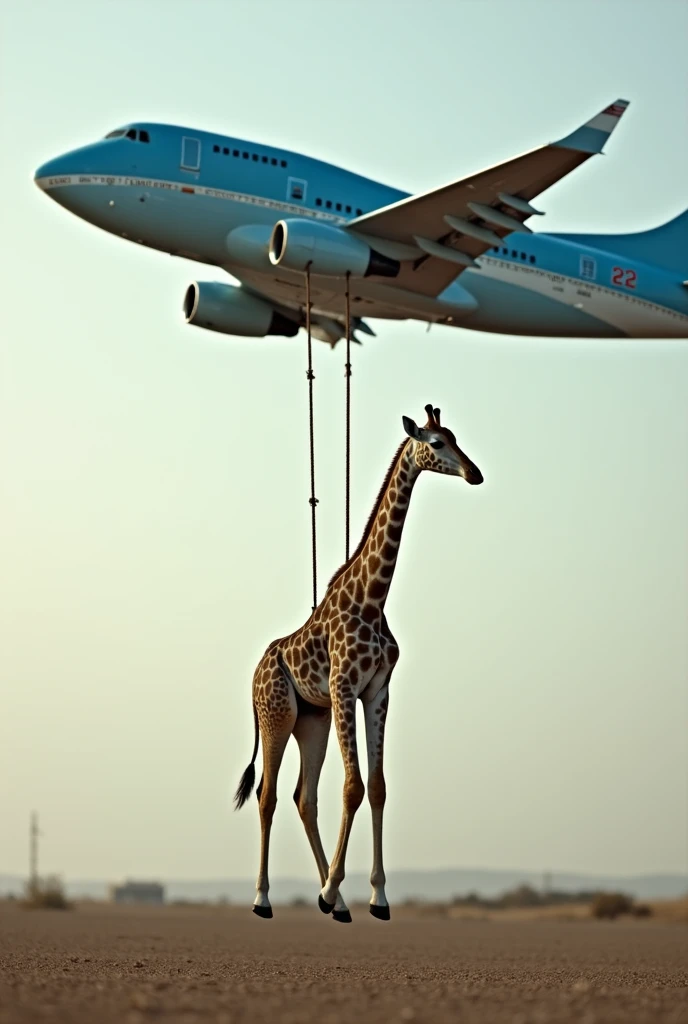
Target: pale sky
x,y
155,526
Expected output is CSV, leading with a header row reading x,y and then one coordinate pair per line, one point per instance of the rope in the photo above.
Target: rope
x,y
347,373
313,501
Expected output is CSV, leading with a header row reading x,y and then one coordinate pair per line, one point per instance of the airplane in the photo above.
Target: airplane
x,y
460,255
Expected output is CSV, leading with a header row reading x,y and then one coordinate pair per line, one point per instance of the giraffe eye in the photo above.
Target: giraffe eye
x,y
437,444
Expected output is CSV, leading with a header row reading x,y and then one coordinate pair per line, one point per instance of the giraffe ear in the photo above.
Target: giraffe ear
x,y
411,428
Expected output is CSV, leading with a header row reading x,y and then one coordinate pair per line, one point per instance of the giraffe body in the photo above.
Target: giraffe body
x,y
344,652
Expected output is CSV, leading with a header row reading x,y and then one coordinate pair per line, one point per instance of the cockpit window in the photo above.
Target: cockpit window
x,y
131,133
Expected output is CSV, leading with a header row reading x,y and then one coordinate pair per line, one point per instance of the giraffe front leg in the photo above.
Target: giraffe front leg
x,y
344,710
311,732
375,712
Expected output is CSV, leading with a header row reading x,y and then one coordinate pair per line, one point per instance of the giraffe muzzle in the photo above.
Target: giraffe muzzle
x,y
473,476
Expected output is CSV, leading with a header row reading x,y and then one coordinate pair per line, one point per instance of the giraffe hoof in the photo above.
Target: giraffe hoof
x,y
341,915
326,908
381,913
265,912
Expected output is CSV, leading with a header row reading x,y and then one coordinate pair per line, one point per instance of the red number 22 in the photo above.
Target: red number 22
x,y
627,278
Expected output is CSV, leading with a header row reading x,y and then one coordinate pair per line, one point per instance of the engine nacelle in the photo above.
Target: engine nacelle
x,y
331,252
231,310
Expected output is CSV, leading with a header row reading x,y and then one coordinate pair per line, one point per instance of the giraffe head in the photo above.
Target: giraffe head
x,y
436,449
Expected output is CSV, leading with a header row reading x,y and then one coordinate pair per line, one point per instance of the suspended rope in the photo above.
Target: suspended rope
x,y
313,501
347,373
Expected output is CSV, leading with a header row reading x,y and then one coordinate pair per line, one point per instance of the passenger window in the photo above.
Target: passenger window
x,y
318,202
245,156
255,157
216,149
265,159
235,152
273,162
359,213
328,204
514,253
225,150
144,136
338,206
283,163
348,209
131,134
523,256
532,259
505,252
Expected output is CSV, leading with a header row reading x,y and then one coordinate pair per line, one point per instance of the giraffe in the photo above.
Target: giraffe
x,y
344,652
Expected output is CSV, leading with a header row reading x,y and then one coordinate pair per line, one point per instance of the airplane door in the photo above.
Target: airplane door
x,y
191,154
296,190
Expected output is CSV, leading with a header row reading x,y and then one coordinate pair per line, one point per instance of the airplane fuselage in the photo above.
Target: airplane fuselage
x,y
185,191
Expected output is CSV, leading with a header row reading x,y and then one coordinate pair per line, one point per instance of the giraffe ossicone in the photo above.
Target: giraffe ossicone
x,y
344,652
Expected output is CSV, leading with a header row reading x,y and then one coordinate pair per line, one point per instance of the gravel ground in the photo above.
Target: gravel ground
x,y
99,964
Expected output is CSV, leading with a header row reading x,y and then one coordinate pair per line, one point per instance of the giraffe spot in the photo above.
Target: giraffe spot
x,y
373,564
394,532
364,633
377,589
369,613
389,551
387,570
359,594
382,518
366,664
397,514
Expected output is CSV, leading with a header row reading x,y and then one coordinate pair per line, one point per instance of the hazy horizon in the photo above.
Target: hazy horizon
x,y
155,531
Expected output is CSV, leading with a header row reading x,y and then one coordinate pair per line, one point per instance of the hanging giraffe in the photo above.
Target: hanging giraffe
x,y
343,653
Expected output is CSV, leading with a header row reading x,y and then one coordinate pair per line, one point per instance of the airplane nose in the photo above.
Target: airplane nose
x,y
58,167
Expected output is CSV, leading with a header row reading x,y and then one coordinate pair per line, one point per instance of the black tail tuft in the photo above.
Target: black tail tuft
x,y
246,785
248,779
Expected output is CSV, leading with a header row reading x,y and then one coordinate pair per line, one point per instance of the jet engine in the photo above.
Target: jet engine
x,y
331,251
231,310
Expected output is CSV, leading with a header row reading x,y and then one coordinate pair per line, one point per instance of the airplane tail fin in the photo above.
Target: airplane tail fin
x,y
666,246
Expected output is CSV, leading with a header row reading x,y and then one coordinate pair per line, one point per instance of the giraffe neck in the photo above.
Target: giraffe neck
x,y
377,560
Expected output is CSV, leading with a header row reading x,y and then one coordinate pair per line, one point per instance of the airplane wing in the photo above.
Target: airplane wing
x,y
452,225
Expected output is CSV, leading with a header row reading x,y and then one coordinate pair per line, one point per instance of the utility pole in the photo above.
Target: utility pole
x,y
33,853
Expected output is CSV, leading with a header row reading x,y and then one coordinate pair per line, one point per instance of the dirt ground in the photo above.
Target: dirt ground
x,y
190,965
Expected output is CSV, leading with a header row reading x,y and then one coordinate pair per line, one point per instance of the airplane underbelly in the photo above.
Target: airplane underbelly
x,y
160,214
516,299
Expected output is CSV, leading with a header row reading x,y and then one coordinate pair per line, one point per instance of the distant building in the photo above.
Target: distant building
x,y
137,892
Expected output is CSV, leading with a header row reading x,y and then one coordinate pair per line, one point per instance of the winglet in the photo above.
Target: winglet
x,y
591,137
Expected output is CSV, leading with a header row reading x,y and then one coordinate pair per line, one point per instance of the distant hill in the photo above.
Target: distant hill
x,y
401,885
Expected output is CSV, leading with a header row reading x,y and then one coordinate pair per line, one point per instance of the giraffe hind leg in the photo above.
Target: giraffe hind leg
x,y
275,703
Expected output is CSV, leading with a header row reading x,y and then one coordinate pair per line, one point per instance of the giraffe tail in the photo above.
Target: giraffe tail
x,y
248,779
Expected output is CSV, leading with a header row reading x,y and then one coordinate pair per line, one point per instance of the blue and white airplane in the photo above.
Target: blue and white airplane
x,y
460,254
